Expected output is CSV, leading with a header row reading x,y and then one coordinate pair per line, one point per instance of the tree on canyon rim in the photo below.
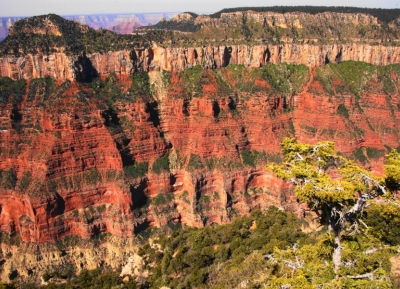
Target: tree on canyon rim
x,y
335,188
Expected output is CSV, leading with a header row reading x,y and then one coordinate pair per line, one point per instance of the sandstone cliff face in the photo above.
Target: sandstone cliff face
x,y
64,151
66,164
289,19
288,24
61,66
27,261
44,153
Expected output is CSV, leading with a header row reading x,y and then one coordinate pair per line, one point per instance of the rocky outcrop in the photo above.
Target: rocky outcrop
x,y
66,165
61,66
135,267
120,23
27,261
285,20
57,65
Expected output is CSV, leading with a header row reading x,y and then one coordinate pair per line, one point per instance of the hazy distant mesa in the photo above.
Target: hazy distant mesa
x,y
119,23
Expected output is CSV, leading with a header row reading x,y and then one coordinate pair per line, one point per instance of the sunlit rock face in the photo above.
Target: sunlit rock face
x,y
80,152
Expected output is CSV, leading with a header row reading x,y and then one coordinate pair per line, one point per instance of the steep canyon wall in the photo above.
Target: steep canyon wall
x,y
114,143
62,66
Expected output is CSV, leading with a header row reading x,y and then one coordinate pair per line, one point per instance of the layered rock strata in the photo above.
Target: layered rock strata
x,y
76,161
62,67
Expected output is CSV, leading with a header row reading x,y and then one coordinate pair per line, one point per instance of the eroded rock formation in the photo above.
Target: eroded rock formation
x,y
61,66
83,154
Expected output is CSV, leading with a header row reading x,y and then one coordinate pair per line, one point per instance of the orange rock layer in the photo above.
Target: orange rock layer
x,y
64,159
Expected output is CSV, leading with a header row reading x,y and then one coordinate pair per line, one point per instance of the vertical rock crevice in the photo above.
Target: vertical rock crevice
x,y
84,70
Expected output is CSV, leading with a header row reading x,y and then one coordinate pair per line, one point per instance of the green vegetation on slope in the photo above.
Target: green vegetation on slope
x,y
355,77
286,78
269,248
264,249
243,28
338,202
52,33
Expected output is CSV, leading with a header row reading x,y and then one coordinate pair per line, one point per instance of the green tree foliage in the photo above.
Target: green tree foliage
x,y
10,88
385,15
248,158
109,88
191,81
338,202
263,250
91,279
139,169
7,286
8,179
195,162
24,182
140,84
356,77
74,38
342,110
162,199
161,164
211,256
392,169
383,222
41,88
286,78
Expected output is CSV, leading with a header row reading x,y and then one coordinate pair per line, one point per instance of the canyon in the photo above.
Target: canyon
x,y
110,145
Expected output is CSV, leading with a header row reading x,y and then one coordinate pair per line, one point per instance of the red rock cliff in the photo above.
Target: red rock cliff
x,y
66,154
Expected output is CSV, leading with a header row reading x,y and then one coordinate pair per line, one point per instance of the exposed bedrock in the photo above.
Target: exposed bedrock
x,y
85,67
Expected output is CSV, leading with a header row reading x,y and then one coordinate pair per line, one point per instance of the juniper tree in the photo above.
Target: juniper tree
x,y
334,188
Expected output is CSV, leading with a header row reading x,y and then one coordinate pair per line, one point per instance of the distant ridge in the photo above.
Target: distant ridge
x,y
284,24
121,23
245,25
384,15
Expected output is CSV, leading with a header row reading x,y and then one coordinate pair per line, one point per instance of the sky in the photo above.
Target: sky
x,y
70,7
